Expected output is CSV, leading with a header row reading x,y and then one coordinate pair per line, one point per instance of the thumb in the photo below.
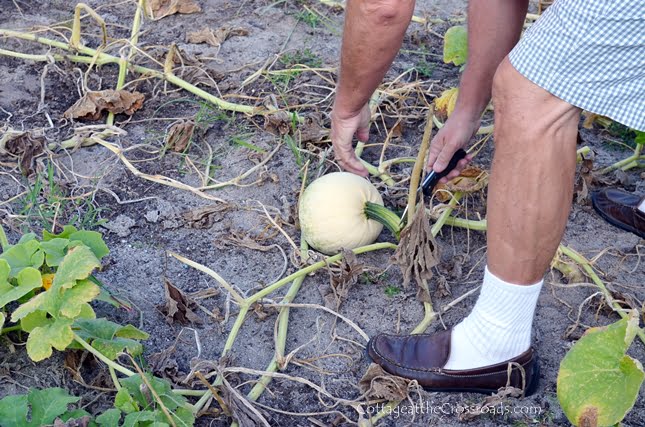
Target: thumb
x,y
443,158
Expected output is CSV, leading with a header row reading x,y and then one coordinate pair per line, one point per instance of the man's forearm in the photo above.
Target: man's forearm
x,y
372,36
494,27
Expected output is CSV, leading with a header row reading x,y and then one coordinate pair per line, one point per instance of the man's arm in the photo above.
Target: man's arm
x,y
372,36
494,27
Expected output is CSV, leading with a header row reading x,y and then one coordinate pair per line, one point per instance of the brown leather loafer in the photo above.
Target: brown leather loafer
x,y
620,208
422,357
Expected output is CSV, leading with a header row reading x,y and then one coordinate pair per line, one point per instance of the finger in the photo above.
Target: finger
x,y
435,148
444,158
348,160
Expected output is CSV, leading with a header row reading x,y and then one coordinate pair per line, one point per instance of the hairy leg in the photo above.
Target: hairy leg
x,y
531,183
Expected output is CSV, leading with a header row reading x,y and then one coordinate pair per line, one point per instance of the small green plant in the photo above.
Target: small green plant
x,y
455,45
302,57
425,69
391,290
309,18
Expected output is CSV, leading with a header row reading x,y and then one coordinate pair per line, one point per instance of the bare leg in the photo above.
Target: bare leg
x,y
531,183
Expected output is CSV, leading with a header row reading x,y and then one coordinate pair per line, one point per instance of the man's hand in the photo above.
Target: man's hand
x,y
343,129
454,135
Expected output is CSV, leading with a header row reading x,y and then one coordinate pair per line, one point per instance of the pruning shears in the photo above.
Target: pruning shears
x,y
431,179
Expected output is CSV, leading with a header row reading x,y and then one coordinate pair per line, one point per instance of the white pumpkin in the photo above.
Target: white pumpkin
x,y
332,212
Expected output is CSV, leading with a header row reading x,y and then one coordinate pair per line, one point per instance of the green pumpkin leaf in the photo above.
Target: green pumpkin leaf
x,y
28,237
597,380
13,411
75,415
78,264
109,418
58,335
110,338
455,45
34,320
67,231
46,405
87,312
640,137
125,402
143,418
75,298
23,255
183,417
55,250
42,302
28,279
93,240
135,385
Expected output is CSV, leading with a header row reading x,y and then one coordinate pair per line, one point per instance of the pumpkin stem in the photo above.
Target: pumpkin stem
x,y
385,216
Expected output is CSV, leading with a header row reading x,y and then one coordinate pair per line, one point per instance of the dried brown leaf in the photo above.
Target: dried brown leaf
x,y
178,307
215,37
341,280
489,403
583,182
163,8
378,384
92,105
25,147
571,271
206,216
179,136
470,180
312,130
417,254
79,422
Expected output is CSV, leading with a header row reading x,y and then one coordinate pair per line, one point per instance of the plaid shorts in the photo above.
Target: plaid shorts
x,y
591,54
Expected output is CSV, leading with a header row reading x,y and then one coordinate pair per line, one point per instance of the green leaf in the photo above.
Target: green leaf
x,y
597,380
640,137
78,264
58,335
109,418
93,240
76,414
110,338
46,405
55,250
23,255
87,312
34,320
75,298
2,319
125,402
39,302
28,279
28,237
183,417
135,385
455,45
13,411
143,418
67,231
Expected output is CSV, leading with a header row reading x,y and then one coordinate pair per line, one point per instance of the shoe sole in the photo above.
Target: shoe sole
x,y
533,382
615,223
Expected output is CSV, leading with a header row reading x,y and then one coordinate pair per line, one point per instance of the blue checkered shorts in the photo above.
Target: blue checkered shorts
x,y
591,54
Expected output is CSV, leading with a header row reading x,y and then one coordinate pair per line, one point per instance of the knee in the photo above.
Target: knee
x,y
387,12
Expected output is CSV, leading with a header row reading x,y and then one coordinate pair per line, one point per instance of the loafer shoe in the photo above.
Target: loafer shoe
x,y
422,358
620,208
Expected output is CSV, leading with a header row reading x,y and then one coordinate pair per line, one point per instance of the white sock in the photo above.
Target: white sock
x,y
641,207
498,328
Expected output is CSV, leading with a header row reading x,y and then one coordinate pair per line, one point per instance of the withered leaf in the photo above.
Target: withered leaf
x,y
583,181
206,216
24,146
570,270
470,180
312,130
379,384
490,402
417,254
79,422
341,280
179,136
241,410
162,8
215,37
178,307
93,103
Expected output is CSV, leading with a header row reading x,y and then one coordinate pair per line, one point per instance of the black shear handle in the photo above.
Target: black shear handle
x,y
433,177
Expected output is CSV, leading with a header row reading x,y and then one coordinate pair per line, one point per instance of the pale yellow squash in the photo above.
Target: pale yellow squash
x,y
332,212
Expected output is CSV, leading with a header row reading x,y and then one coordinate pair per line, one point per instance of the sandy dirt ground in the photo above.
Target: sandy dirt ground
x,y
143,220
